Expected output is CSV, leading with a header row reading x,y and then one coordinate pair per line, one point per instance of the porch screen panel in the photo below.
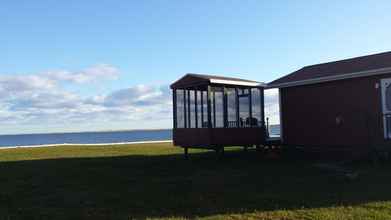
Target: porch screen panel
x,y
388,98
219,105
244,108
192,109
256,107
231,105
180,109
205,109
199,112
212,109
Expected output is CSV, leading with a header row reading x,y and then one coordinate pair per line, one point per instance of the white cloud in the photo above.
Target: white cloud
x,y
138,95
90,74
15,86
42,99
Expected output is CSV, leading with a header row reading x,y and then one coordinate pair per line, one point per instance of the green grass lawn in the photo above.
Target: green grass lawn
x,y
153,181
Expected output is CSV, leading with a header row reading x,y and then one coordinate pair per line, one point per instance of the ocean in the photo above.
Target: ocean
x,y
274,130
85,137
93,137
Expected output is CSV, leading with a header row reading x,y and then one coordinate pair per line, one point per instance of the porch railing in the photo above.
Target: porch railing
x,y
245,123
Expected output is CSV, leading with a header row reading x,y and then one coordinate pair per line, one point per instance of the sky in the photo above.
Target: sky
x,y
106,65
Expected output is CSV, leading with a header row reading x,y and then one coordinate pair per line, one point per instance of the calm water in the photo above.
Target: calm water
x,y
274,130
94,137
85,137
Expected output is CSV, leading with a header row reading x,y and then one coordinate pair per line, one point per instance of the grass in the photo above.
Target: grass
x,y
153,181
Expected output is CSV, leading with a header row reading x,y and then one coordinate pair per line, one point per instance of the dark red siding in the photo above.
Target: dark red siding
x,y
310,114
206,138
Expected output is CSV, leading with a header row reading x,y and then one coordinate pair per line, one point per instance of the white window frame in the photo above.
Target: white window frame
x,y
384,84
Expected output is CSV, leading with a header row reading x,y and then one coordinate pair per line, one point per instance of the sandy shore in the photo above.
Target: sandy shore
x,y
100,144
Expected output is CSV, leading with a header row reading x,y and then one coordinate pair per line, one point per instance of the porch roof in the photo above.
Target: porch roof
x,y
194,80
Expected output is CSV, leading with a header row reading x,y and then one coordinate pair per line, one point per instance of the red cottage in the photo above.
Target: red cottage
x,y
344,105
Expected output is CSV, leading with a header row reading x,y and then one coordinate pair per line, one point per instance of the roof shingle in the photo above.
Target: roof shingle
x,y
336,68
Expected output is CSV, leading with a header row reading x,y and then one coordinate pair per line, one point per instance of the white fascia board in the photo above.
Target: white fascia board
x,y
239,83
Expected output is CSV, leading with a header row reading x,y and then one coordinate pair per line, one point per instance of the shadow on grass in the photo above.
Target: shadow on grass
x,y
169,186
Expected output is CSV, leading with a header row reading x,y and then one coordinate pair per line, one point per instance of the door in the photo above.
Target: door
x,y
386,106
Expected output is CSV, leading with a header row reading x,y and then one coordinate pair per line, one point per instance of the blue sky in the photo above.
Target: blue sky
x,y
105,65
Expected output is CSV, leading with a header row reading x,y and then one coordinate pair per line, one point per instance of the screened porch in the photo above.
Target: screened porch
x,y
213,111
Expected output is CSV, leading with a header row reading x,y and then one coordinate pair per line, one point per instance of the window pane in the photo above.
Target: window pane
x,y
205,109
192,109
388,97
212,106
388,125
231,99
199,107
187,112
256,107
219,108
244,109
180,109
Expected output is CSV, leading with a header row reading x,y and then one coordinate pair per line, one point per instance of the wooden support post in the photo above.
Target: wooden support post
x,y
219,151
186,151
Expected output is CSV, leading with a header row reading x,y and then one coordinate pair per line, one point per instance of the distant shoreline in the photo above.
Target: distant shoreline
x,y
98,144
81,132
101,131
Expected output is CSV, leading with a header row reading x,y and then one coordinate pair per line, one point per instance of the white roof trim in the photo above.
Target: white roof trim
x,y
236,82
332,78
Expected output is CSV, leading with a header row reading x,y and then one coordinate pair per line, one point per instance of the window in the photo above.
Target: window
x,y
231,105
386,104
219,109
256,107
244,108
180,108
205,109
388,97
199,109
192,114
